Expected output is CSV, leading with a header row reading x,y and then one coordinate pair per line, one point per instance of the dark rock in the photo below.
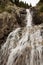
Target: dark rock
x,y
1,23
36,18
21,18
23,11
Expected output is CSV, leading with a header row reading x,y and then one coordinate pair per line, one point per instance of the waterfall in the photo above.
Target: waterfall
x,y
23,46
29,17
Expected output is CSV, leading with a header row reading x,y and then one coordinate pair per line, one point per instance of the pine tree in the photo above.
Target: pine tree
x,y
41,1
16,2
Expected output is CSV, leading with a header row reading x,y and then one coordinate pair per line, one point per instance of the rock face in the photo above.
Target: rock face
x,y
37,20
7,24
21,19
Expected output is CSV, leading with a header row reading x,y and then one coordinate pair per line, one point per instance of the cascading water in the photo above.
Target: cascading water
x,y
26,43
28,18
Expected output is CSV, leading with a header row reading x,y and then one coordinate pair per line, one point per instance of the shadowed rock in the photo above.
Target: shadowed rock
x,y
37,20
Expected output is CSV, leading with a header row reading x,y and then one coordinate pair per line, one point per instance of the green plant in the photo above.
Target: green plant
x,y
2,8
41,9
22,4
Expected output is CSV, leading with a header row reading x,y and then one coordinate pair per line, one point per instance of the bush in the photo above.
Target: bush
x,y
41,9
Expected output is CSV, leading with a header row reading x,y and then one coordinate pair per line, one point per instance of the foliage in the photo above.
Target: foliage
x,y
41,1
2,8
41,9
16,2
20,4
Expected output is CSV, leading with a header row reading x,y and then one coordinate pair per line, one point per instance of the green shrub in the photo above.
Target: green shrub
x,y
41,9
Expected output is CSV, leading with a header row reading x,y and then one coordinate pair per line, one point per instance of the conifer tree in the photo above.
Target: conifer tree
x,y
41,1
16,2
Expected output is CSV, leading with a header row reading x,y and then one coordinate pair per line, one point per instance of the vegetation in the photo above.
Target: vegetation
x,y
20,4
16,2
41,1
40,6
41,9
2,8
